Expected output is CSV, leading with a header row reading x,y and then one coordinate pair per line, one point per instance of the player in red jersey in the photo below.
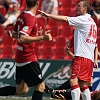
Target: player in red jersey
x,y
85,36
28,71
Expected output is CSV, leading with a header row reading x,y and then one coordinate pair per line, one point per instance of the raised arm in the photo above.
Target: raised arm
x,y
56,17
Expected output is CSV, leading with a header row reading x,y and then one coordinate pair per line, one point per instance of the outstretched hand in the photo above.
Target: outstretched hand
x,y
44,13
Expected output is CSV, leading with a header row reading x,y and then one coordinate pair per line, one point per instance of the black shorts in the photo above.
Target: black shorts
x,y
30,73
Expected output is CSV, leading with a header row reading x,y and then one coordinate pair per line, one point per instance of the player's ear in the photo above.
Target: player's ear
x,y
85,9
37,3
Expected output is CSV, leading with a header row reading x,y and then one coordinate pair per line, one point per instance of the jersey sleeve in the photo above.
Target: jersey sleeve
x,y
28,26
76,21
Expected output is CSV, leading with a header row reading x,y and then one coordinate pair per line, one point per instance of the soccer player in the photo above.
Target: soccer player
x,y
28,71
85,36
66,85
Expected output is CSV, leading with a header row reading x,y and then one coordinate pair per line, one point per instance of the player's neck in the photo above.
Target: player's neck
x,y
33,10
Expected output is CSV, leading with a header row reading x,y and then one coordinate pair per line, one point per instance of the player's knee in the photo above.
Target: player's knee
x,y
40,87
22,91
83,84
73,81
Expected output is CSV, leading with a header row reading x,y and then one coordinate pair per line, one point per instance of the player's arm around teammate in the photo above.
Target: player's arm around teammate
x,y
56,17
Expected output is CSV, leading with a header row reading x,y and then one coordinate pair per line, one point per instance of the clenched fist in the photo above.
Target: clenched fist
x,y
47,36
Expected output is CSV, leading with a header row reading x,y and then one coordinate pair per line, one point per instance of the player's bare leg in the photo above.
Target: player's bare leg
x,y
40,87
22,88
38,91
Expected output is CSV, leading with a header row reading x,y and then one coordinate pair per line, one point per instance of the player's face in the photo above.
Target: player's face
x,y
15,7
80,8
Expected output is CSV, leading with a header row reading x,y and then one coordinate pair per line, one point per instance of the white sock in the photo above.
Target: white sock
x,y
75,93
86,94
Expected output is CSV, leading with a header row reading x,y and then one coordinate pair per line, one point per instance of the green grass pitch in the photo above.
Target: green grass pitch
x,y
24,98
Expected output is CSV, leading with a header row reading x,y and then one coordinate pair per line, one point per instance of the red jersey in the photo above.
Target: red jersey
x,y
26,24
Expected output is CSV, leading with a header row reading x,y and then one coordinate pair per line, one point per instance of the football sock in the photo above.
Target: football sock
x,y
75,92
37,95
86,93
65,85
8,90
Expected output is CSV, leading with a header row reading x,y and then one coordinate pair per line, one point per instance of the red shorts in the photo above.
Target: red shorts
x,y
82,68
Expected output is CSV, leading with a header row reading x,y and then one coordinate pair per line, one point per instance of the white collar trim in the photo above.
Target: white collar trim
x,y
29,12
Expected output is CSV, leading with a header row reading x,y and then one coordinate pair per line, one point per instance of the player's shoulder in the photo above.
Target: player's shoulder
x,y
27,14
84,16
81,17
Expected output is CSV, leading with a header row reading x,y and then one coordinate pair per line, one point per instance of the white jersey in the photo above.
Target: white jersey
x,y
85,35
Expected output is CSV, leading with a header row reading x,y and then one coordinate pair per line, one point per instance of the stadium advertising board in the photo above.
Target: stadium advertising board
x,y
55,72
96,78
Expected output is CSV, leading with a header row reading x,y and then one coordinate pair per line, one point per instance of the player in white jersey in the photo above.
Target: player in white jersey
x,y
85,36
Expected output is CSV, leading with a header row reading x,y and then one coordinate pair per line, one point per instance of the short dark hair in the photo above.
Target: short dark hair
x,y
87,4
31,3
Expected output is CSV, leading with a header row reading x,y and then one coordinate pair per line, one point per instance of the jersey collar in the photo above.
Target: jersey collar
x,y
88,15
29,12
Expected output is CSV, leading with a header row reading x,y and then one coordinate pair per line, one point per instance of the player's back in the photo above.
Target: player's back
x,y
23,19
85,37
26,24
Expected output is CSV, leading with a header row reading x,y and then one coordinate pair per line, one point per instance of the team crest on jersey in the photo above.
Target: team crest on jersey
x,y
26,28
